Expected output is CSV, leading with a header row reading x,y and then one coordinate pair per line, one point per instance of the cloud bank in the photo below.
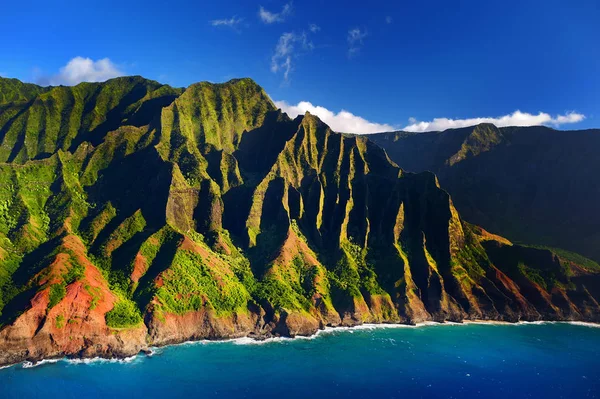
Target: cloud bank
x,y
269,17
347,122
342,121
517,118
81,69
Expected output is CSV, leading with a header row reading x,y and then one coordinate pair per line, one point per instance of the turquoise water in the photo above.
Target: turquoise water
x,y
448,361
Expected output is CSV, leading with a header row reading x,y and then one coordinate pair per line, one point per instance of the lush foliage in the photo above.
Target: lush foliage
x,y
57,293
124,314
190,285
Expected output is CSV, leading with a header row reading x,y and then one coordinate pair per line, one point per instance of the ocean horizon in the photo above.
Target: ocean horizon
x,y
492,360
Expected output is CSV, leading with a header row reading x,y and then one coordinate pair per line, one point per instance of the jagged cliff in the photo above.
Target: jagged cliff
x,y
135,214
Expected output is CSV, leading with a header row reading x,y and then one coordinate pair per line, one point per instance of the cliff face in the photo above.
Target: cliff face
x,y
531,184
145,215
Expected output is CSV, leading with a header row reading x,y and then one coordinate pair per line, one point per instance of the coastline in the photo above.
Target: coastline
x,y
154,350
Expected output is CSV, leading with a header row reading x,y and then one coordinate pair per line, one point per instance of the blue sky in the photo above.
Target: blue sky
x,y
388,64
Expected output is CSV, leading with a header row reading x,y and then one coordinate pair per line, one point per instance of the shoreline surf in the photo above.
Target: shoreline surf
x,y
156,350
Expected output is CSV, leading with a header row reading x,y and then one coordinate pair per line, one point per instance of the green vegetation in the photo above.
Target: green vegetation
x,y
75,273
15,91
124,232
222,112
9,263
124,314
95,294
38,128
353,274
469,261
189,284
280,295
57,293
533,275
569,256
99,222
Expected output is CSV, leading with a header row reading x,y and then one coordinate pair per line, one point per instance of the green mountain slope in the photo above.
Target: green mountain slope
x,y
135,214
531,184
46,120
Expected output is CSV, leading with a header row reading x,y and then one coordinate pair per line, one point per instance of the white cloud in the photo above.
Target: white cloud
x,y
517,118
285,51
347,122
355,40
314,28
81,69
342,121
269,17
231,22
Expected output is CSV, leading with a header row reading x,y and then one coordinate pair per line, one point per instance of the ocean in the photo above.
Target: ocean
x,y
533,360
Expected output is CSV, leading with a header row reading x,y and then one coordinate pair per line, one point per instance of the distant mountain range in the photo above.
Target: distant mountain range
x,y
533,185
135,214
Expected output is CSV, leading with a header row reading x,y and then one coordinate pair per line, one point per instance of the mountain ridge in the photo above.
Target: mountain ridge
x,y
129,221
531,184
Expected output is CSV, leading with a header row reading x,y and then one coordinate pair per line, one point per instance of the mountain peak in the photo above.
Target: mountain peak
x,y
486,125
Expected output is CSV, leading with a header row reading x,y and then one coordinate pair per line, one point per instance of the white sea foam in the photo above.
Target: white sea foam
x,y
154,351
368,327
252,341
327,330
207,342
525,323
93,360
29,365
584,324
573,323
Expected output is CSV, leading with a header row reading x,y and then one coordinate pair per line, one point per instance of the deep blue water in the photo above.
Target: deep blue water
x,y
449,361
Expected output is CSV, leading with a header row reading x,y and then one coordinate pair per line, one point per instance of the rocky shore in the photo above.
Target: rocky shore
x,y
131,342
